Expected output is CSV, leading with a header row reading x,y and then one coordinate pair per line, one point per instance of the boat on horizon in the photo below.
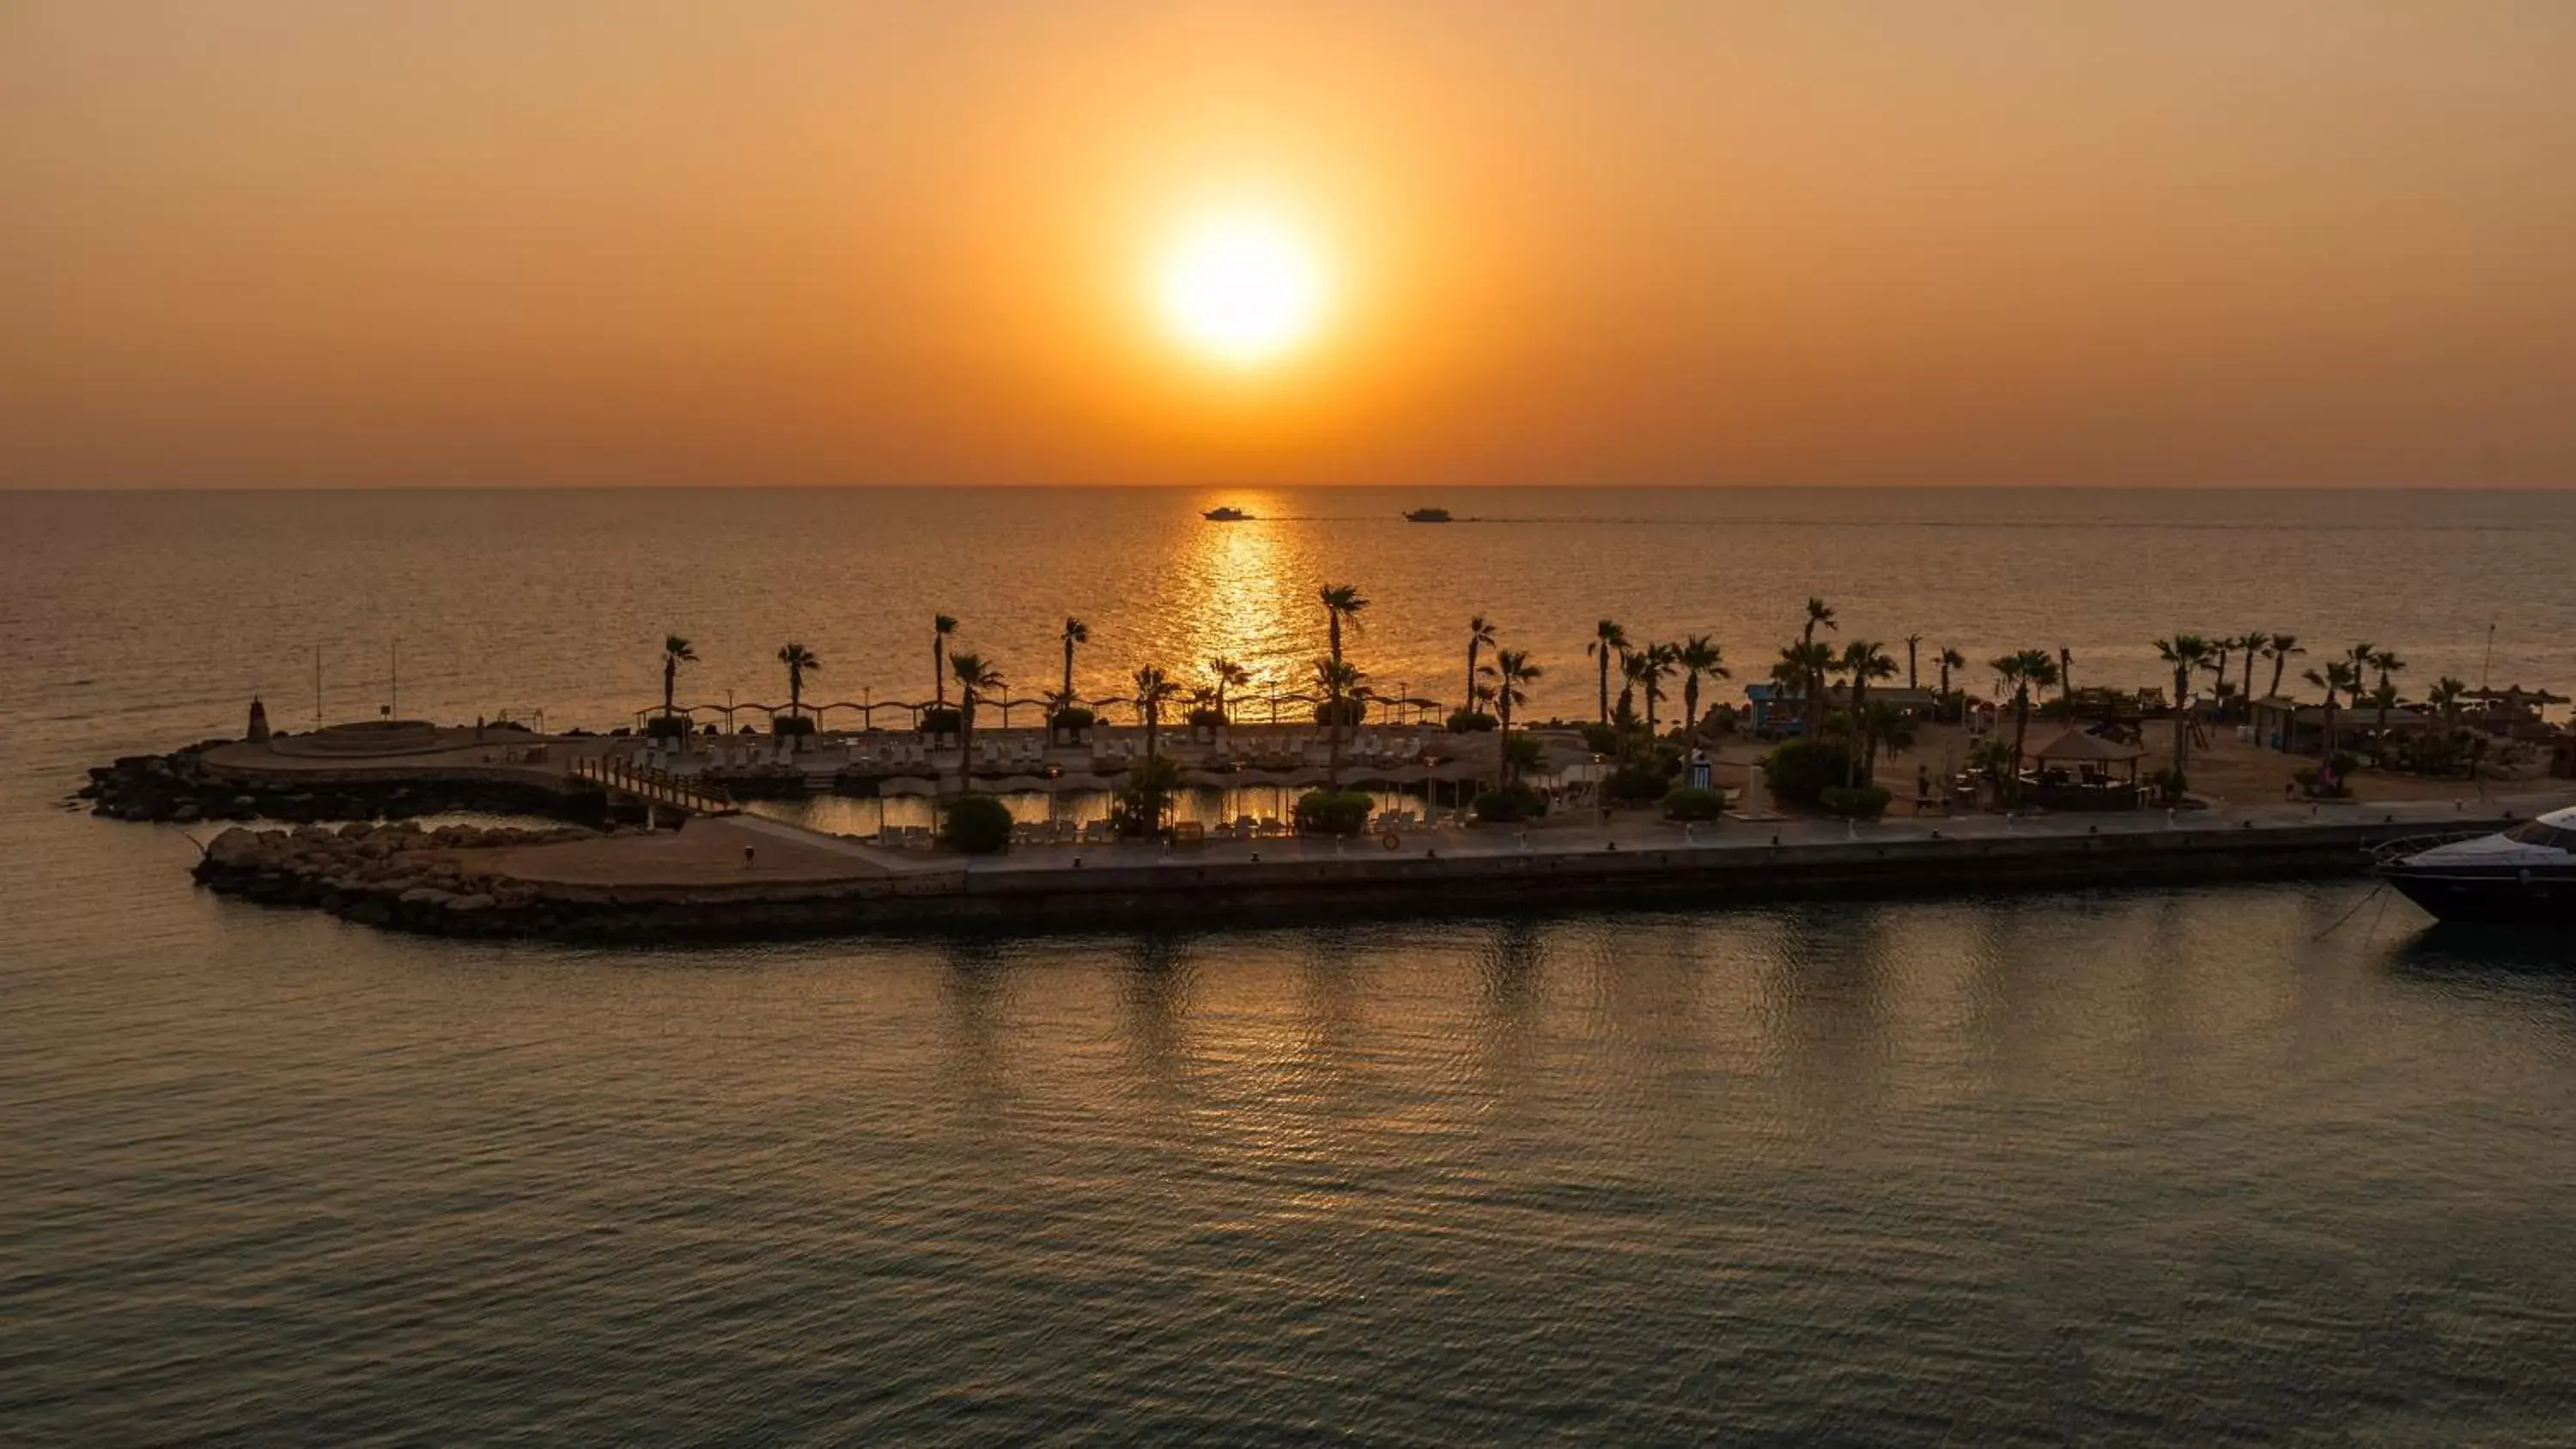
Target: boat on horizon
x,y
1225,515
1427,515
2525,876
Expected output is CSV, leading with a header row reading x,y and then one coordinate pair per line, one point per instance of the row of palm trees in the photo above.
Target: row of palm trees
x,y
1643,668
1342,684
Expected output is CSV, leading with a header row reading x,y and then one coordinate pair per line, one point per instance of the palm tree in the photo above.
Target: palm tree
x,y
975,679
675,652
941,626
1341,602
1818,612
1075,632
1342,686
1698,656
2253,644
2339,674
1512,671
800,661
1863,660
1949,659
2023,672
1228,675
2186,653
1480,632
1804,665
1913,677
1648,668
2386,663
1154,689
2066,682
2280,648
2447,695
1609,642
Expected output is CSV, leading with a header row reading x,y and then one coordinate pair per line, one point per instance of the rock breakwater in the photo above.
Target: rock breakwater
x,y
183,787
395,874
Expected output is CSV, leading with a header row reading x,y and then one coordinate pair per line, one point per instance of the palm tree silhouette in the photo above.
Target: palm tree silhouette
x,y
2186,653
1512,671
1698,656
1075,632
2339,674
1480,632
2022,672
1154,689
1228,675
1803,665
975,679
1609,642
800,661
2386,664
1864,660
675,652
1341,602
2281,648
941,626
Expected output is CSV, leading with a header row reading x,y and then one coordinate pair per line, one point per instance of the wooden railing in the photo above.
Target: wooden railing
x,y
652,786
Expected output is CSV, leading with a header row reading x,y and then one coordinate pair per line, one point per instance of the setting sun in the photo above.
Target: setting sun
x,y
1240,288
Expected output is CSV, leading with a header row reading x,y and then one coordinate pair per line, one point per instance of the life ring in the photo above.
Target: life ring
x,y
1391,841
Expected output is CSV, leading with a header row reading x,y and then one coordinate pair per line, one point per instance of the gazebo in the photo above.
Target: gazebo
x,y
2079,771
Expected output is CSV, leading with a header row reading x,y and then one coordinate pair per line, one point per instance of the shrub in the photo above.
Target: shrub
x,y
789,726
1802,770
1207,718
1333,812
667,727
1638,782
1137,811
1071,718
1509,803
1602,739
1522,752
1470,722
1689,803
975,825
1863,802
1346,713
941,719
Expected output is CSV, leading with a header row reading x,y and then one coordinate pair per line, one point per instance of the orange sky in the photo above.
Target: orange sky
x,y
2203,242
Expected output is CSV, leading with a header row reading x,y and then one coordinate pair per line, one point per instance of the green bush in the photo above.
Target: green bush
x,y
1470,722
1509,803
1346,713
2307,781
1802,770
1334,812
1638,782
1864,802
1689,803
1137,811
1071,718
789,726
667,727
975,825
1602,739
1522,752
1207,718
941,720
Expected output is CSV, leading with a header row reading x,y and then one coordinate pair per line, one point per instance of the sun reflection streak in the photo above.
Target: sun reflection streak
x,y
1238,597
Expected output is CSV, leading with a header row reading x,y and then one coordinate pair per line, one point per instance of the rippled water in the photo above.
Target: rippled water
x,y
2273,1163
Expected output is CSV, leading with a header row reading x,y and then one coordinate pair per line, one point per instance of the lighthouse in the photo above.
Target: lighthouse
x,y
258,722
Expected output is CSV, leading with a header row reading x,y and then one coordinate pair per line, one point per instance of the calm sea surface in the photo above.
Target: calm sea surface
x,y
2164,1167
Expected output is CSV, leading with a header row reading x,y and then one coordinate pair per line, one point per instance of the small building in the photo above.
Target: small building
x,y
2080,771
2293,728
1782,708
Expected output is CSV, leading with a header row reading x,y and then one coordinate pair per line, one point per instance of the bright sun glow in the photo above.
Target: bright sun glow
x,y
1241,288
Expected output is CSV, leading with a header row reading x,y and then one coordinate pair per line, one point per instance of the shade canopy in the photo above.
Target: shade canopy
x,y
2073,747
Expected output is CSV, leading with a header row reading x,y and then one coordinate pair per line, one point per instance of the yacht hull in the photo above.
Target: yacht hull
x,y
2490,897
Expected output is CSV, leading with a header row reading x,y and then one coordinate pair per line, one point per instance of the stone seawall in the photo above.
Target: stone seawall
x,y
183,787
430,881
